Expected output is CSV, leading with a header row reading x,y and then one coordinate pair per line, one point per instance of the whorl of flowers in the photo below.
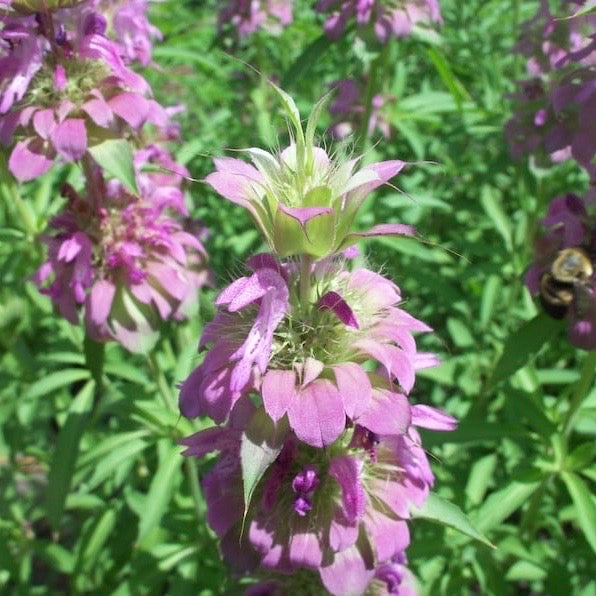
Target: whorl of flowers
x,y
129,25
387,18
556,108
247,16
308,369
65,86
303,200
125,262
568,277
348,109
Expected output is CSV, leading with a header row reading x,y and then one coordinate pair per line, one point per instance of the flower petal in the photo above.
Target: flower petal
x,y
317,414
278,390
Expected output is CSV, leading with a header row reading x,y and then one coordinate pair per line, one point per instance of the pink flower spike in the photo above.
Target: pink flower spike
x,y
333,301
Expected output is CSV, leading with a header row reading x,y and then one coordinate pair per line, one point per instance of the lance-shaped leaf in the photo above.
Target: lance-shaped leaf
x,y
444,512
260,445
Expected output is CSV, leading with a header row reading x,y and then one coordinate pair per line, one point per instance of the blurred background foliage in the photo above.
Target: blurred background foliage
x,y
94,496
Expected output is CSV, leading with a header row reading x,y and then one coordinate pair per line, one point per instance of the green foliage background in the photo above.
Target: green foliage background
x,y
94,496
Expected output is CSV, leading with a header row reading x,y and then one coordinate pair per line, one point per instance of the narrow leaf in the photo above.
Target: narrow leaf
x,y
65,454
522,344
306,60
161,489
496,215
448,514
585,508
501,504
55,380
93,541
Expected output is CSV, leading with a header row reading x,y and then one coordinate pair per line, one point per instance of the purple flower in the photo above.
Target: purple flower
x,y
310,369
63,87
247,16
348,110
564,269
124,261
555,114
353,503
131,28
386,19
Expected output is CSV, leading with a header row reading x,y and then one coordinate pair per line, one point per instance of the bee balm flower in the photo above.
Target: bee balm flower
x,y
125,262
303,200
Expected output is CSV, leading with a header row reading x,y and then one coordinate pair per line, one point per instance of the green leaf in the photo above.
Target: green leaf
x,y
581,457
496,215
161,489
522,344
525,571
60,559
501,504
261,443
444,512
585,508
459,332
55,380
490,296
116,158
65,454
93,540
306,60
126,371
453,84
480,478
114,461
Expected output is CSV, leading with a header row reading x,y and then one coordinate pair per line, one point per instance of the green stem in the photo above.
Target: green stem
x,y
192,475
581,390
163,388
305,275
371,84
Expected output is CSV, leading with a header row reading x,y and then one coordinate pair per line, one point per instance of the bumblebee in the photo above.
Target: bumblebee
x,y
564,282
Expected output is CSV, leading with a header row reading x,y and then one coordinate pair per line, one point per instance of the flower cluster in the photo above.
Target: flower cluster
x,y
65,85
122,259
555,112
121,255
309,370
564,270
387,18
247,16
348,110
